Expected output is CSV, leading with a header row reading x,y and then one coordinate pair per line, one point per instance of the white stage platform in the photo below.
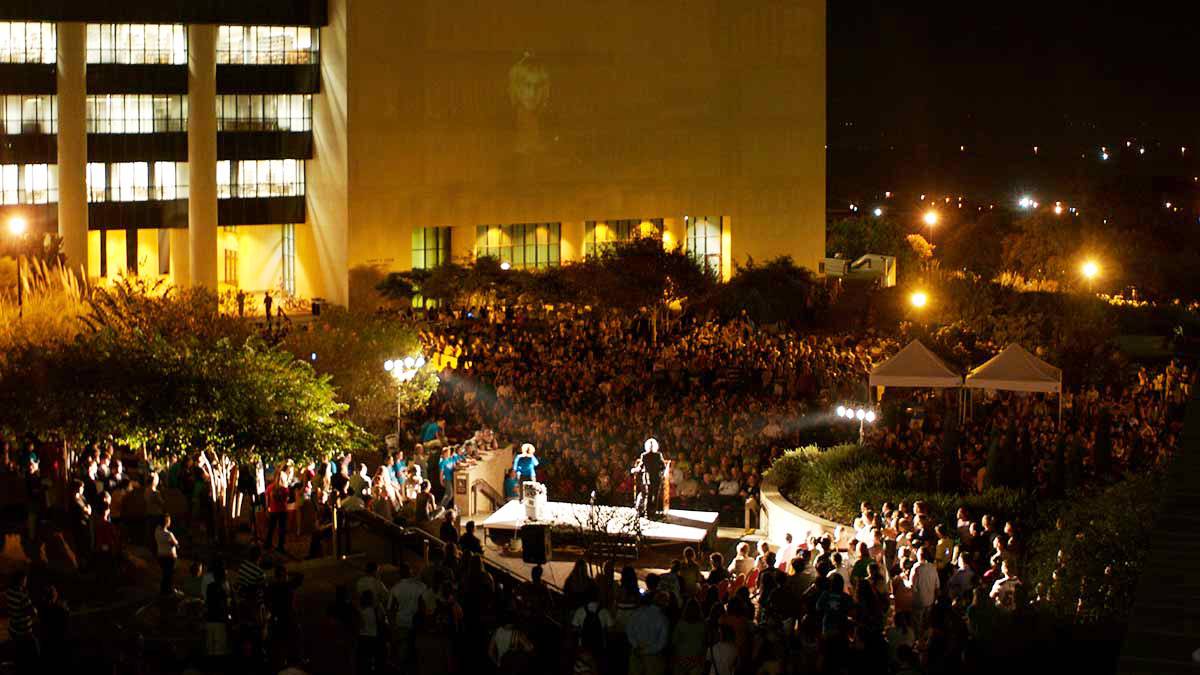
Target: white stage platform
x,y
676,526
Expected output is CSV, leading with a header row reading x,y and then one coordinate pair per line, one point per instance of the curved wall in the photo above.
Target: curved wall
x,y
780,517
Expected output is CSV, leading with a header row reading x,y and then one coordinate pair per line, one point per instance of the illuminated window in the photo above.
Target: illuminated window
x,y
28,183
137,43
704,241
267,44
264,112
231,267
598,234
136,113
527,245
430,247
260,178
21,114
28,42
137,181
289,259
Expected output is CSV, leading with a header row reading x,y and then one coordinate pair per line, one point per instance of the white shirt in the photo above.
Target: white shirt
x,y
606,618
925,582
378,590
166,542
406,593
728,488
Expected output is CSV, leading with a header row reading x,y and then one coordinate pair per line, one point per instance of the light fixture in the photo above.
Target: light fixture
x,y
870,416
841,411
388,365
17,226
1090,269
918,299
930,218
878,212
505,266
860,414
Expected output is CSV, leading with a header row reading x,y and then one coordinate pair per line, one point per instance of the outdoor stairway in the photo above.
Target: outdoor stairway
x,y
1164,623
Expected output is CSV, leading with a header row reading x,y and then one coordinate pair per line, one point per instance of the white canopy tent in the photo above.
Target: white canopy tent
x,y
915,366
1015,369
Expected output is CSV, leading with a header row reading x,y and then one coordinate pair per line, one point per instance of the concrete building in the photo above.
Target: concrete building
x,y
310,146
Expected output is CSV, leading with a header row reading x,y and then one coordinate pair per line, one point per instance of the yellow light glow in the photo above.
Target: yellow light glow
x,y
1090,269
918,299
930,218
17,226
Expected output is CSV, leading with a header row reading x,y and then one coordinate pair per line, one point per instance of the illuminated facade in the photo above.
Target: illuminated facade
x,y
313,146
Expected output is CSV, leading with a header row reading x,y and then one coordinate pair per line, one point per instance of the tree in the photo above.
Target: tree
x,y
640,276
776,291
351,349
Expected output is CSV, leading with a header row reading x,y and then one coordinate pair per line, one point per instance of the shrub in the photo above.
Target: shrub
x,y
832,483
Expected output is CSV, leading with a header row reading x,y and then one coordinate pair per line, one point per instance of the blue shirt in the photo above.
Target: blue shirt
x,y
447,466
647,630
525,466
429,432
398,469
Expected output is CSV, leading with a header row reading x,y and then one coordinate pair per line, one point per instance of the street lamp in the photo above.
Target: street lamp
x,y
403,370
17,226
1090,270
918,299
864,416
930,218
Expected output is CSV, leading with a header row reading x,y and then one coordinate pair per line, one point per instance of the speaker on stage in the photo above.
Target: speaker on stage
x,y
535,544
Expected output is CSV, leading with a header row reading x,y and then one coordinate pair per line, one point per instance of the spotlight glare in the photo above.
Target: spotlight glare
x,y
388,365
841,411
870,416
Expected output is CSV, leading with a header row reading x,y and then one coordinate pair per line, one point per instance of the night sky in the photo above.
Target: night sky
x,y
909,83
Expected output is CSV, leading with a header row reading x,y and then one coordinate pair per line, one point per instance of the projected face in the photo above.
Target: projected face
x,y
528,84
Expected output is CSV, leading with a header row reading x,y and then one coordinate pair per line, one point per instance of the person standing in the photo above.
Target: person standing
x,y
267,302
925,583
652,467
168,552
277,502
21,614
525,464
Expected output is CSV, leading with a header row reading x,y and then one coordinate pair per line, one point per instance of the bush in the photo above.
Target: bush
x,y
832,483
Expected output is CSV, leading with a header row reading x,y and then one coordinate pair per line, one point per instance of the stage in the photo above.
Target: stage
x,y
675,526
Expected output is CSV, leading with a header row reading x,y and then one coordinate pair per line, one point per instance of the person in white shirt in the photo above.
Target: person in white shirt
x,y
788,551
743,562
728,487
924,581
371,582
405,600
168,552
1005,586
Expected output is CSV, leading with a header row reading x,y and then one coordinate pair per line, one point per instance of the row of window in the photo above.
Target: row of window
x,y
28,183
599,234
136,113
28,114
260,178
137,43
267,44
37,42
136,181
28,42
264,112
525,245
534,245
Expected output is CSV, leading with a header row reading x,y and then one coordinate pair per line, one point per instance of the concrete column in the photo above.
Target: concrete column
x,y
202,154
181,258
72,143
327,181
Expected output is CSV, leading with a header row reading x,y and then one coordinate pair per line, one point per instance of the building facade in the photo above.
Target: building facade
x,y
311,146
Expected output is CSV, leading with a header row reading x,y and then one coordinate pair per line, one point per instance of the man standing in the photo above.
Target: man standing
x,y
925,582
446,467
21,614
406,596
277,501
168,553
648,631
652,467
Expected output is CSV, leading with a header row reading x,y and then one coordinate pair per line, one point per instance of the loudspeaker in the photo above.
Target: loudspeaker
x,y
535,544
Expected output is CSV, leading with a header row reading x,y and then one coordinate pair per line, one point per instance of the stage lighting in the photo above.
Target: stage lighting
x,y
841,411
870,416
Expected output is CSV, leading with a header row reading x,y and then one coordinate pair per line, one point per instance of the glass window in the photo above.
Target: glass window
x,y
136,181
28,42
136,113
267,44
264,112
704,240
28,183
137,43
260,178
231,267
430,247
527,245
597,234
289,259
28,114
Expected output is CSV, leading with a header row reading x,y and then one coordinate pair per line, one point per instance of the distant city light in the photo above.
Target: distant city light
x,y
1058,209
1141,151
1025,202
1168,205
887,195
878,212
1035,149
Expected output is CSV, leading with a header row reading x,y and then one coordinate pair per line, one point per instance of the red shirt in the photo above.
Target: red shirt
x,y
277,498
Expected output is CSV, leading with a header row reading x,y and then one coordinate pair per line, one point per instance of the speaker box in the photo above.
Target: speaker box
x,y
535,544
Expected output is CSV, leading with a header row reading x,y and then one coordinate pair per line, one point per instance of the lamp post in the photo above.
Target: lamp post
x,y
17,227
403,370
864,416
